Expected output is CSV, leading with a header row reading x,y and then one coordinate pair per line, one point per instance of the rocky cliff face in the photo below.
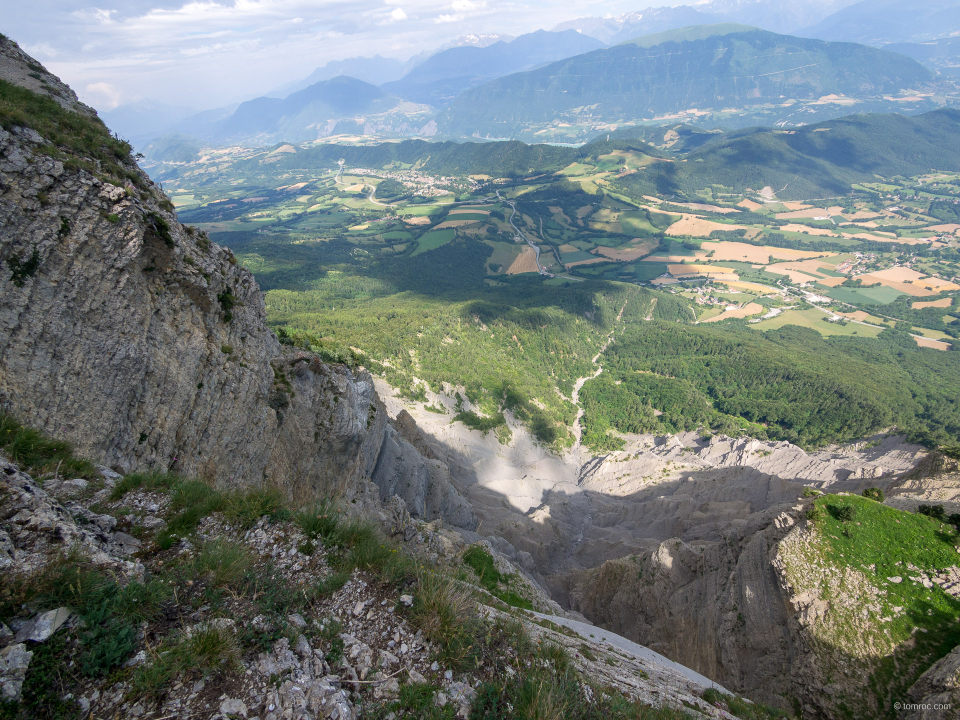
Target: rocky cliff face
x,y
146,345
718,607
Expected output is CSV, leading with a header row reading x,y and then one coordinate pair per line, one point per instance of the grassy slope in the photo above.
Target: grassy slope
x,y
892,631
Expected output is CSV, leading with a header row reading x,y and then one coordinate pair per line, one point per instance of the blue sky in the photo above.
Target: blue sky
x,y
207,53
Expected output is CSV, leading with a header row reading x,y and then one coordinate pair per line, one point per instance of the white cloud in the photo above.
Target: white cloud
x,y
208,53
103,95
465,6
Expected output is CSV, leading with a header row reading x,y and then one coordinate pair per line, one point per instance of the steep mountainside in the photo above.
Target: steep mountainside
x,y
145,344
301,116
817,160
716,67
443,76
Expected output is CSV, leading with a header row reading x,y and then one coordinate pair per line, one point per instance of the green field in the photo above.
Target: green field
x,y
467,216
866,296
645,271
577,256
434,239
814,319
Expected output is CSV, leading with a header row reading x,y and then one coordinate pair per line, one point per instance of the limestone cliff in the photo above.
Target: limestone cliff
x,y
145,344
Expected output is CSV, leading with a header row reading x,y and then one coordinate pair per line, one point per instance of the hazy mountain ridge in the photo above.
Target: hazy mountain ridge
x,y
440,78
885,21
730,69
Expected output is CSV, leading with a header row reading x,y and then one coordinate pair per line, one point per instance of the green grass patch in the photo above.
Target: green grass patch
x,y
81,140
882,542
434,239
866,296
40,454
645,271
483,565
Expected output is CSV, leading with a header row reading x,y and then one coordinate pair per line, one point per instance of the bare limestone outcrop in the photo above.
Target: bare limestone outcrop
x,y
146,345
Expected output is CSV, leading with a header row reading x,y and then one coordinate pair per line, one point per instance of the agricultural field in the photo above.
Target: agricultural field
x,y
431,278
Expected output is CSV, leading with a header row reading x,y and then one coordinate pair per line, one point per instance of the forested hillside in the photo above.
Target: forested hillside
x,y
720,67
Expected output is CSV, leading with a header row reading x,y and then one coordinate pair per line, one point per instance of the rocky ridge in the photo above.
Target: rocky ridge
x,y
146,346
347,653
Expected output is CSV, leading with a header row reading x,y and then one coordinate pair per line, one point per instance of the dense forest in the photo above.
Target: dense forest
x,y
787,384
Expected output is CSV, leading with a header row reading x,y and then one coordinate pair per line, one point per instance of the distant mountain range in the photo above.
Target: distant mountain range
x,y
445,75
877,22
773,15
376,71
306,114
706,67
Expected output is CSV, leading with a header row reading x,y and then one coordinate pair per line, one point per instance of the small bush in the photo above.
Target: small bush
x,y
954,520
932,511
21,269
159,228
874,493
225,562
330,634
207,650
245,508
445,613
227,302
319,522
846,513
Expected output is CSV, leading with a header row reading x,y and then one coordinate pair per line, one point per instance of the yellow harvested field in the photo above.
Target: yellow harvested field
x,y
586,262
743,252
675,258
794,227
417,220
897,274
465,211
636,249
947,228
750,205
455,223
941,303
859,215
746,311
885,237
807,266
806,213
914,289
353,188
568,248
938,284
928,343
525,262
832,281
695,226
688,270
794,275
705,207
859,315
